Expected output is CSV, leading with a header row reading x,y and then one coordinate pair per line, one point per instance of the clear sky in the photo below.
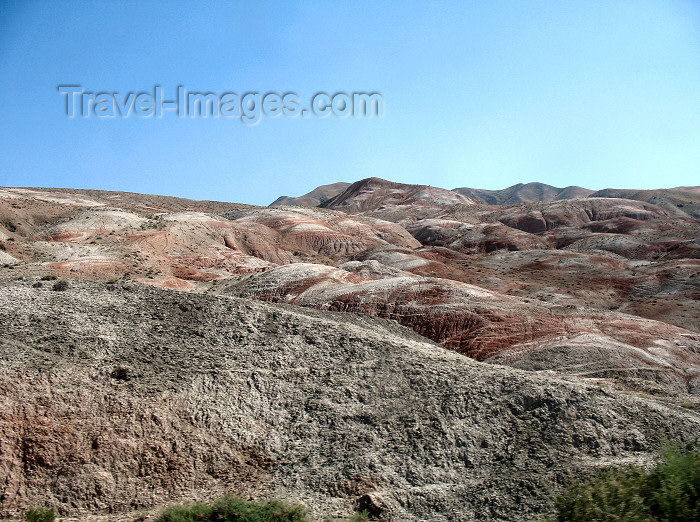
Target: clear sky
x,y
479,94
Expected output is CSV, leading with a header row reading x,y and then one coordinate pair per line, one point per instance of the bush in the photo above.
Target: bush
x,y
60,286
49,277
612,495
232,509
673,488
40,514
670,492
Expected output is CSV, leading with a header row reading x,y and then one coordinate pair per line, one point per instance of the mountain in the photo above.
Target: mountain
x,y
681,201
374,193
394,351
122,397
528,192
314,198
524,256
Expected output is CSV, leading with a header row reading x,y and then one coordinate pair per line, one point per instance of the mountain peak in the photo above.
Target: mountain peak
x,y
373,193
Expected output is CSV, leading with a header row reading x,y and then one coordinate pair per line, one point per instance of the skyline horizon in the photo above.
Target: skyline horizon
x,y
487,95
594,190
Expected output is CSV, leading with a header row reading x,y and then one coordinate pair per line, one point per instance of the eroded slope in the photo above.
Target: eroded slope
x,y
120,396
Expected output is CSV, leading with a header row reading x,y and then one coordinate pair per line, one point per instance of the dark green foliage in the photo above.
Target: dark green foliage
x,y
40,514
612,495
674,487
669,493
189,513
60,286
232,509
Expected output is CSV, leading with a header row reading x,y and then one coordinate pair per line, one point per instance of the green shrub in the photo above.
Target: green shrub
x,y
40,514
360,516
673,488
189,513
60,286
612,495
49,277
670,492
232,509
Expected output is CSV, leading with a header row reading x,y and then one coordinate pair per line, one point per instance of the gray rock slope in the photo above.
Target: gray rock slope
x,y
114,397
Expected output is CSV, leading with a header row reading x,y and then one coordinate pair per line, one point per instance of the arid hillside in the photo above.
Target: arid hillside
x,y
681,201
157,374
603,289
118,397
524,192
314,198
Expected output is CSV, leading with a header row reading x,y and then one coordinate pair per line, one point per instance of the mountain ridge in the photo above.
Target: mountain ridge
x,y
524,192
682,201
168,349
314,198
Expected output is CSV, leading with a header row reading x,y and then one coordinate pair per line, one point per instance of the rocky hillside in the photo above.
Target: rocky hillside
x,y
117,396
375,193
160,375
314,198
524,193
681,201
603,289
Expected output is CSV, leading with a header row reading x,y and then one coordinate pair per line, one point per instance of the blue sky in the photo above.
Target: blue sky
x,y
480,94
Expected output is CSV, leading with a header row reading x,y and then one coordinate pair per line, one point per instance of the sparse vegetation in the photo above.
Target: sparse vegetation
x,y
670,492
40,514
60,286
233,509
49,277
